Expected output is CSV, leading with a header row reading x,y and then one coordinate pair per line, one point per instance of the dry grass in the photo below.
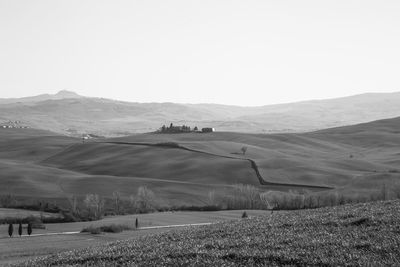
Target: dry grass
x,y
356,235
16,249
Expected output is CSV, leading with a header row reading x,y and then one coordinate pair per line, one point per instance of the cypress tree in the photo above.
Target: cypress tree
x,y
29,228
10,230
20,229
137,223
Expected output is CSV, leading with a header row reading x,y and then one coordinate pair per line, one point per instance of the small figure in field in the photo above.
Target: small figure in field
x,y
244,149
29,228
20,229
10,229
137,223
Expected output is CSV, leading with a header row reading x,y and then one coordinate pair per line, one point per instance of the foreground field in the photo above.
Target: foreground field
x,y
356,235
21,248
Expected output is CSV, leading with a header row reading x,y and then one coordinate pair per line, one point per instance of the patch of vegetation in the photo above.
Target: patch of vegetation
x,y
12,202
92,230
177,129
318,237
169,144
360,222
112,228
195,208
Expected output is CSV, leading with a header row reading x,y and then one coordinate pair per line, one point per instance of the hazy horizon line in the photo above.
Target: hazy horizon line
x,y
197,103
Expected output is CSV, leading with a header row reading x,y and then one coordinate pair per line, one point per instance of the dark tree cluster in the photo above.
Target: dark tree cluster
x,y
177,129
11,229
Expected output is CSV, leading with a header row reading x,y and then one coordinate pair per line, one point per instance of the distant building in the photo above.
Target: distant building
x,y
208,130
13,124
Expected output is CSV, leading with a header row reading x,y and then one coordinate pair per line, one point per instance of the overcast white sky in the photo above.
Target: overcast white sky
x,y
230,52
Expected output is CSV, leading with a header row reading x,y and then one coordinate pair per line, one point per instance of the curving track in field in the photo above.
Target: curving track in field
x,y
253,164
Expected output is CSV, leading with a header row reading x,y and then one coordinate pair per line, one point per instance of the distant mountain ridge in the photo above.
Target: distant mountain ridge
x,y
69,113
63,94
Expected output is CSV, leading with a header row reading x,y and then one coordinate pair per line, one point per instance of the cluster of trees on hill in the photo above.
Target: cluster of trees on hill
x,y
177,129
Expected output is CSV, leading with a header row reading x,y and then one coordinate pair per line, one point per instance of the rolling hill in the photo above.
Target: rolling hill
x,y
69,113
184,168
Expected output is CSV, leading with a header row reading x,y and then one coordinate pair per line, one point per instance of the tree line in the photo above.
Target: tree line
x,y
11,229
177,129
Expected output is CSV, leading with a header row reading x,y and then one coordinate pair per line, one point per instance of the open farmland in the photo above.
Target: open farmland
x,y
48,242
349,160
357,235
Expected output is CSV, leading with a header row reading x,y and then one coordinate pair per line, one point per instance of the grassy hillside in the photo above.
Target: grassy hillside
x,y
31,144
337,157
353,160
153,162
356,235
14,250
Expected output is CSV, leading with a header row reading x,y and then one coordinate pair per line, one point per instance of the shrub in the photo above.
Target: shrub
x,y
169,144
36,223
196,208
112,228
361,221
91,229
244,215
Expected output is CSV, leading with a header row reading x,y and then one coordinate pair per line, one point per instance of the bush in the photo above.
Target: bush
x,y
169,144
244,215
112,228
67,217
91,229
196,208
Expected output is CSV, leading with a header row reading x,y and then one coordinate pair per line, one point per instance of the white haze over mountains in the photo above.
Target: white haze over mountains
x,y
69,113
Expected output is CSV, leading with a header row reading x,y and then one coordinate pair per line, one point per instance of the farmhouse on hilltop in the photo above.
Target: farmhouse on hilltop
x,y
183,129
208,130
12,124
